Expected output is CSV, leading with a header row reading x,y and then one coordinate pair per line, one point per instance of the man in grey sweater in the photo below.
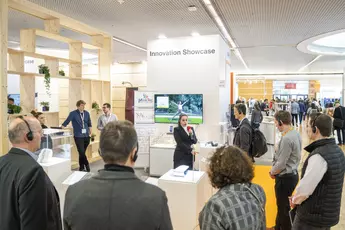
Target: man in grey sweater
x,y
284,171
295,109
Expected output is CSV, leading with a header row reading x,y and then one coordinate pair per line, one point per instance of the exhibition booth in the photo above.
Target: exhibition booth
x,y
188,75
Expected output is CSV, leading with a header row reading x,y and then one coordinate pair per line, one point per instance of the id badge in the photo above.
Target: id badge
x,y
83,131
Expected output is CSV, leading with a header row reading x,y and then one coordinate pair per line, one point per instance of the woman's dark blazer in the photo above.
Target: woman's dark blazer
x,y
184,143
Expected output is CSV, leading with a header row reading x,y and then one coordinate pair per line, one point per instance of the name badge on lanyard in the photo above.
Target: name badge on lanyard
x,y
107,119
83,131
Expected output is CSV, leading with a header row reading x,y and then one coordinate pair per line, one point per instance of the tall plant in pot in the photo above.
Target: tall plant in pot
x,y
43,69
45,106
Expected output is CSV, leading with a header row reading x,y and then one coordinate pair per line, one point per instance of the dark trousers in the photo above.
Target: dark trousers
x,y
186,160
301,117
298,224
341,139
294,117
82,143
284,187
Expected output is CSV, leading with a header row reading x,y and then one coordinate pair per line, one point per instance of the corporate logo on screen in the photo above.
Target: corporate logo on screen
x,y
145,98
184,52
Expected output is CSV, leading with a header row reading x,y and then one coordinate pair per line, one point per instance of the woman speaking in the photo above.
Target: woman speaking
x,y
185,137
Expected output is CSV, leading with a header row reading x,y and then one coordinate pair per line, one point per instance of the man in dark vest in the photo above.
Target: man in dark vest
x,y
318,196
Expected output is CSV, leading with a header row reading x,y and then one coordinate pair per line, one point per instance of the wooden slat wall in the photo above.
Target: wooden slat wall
x,y
259,90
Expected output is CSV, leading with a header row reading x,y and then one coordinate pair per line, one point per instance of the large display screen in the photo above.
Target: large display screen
x,y
168,108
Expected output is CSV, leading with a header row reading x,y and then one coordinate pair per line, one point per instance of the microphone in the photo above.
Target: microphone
x,y
189,130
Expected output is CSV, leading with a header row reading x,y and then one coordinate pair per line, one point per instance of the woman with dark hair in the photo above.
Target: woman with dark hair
x,y
238,204
257,117
185,137
41,118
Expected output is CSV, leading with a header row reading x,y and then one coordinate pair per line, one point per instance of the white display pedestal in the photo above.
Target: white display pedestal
x,y
161,159
58,169
209,190
206,151
186,197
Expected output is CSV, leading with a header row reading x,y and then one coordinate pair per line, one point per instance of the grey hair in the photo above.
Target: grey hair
x,y
117,141
18,129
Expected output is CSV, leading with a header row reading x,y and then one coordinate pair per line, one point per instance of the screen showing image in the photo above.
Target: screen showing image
x,y
168,108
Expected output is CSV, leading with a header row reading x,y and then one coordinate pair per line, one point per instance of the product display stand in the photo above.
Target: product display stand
x,y
144,125
186,197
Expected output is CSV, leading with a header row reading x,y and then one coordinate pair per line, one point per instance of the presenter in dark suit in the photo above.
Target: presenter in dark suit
x,y
185,137
28,199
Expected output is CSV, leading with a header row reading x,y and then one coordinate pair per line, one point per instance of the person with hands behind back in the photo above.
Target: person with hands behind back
x,y
284,170
185,137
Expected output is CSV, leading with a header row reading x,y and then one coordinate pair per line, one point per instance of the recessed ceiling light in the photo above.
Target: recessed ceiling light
x,y
195,34
162,36
192,8
121,1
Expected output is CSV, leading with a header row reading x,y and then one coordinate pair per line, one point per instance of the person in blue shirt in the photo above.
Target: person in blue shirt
x,y
82,130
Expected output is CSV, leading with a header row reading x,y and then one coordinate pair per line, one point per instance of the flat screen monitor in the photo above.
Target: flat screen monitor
x,y
168,108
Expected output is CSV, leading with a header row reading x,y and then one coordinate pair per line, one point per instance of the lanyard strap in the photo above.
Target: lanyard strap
x,y
82,119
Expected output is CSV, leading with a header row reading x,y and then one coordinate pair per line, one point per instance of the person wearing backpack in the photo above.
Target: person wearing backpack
x,y
243,134
285,164
257,117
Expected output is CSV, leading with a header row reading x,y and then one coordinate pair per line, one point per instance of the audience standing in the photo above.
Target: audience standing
x,y
239,204
243,134
28,199
285,163
256,117
115,198
318,195
295,110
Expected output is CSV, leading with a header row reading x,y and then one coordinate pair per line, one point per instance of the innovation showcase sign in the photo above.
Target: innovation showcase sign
x,y
183,52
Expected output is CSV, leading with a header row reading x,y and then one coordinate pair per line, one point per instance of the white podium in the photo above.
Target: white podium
x,y
186,197
206,151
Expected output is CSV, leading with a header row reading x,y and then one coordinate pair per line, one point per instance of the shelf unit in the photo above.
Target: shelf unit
x,y
71,88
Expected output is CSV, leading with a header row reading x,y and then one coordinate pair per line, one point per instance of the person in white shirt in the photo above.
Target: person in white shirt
x,y
318,196
106,117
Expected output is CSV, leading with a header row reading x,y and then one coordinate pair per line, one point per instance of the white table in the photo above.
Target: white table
x,y
161,158
186,197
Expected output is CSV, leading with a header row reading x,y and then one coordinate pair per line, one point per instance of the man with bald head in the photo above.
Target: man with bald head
x,y
28,199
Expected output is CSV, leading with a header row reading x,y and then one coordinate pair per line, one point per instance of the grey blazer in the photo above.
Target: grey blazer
x,y
115,200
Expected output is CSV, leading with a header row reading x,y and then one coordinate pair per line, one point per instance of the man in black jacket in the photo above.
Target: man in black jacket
x,y
115,198
28,199
339,113
318,195
243,134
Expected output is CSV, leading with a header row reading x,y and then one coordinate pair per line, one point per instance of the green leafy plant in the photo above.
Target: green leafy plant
x,y
95,106
43,69
45,105
14,108
62,73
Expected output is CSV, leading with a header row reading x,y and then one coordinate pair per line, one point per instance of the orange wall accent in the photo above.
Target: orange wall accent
x,y
256,90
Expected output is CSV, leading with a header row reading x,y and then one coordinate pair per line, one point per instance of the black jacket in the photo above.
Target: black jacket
x,y
184,143
116,199
322,208
340,114
256,118
28,199
243,136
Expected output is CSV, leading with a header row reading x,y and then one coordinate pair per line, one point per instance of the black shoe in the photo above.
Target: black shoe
x,y
81,168
87,168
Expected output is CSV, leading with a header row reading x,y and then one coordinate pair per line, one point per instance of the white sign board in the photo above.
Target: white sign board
x,y
143,99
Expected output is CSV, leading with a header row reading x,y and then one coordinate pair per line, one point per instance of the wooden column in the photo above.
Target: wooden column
x,y
27,82
3,75
52,26
104,56
75,53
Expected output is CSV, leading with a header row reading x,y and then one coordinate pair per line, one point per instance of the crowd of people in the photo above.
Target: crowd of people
x,y
115,198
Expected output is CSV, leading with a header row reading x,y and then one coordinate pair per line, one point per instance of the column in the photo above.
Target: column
x,y
342,102
3,75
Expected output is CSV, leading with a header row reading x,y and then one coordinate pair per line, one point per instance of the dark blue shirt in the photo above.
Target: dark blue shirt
x,y
76,118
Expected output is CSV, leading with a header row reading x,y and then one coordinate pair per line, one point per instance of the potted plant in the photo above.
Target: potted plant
x,y
95,106
62,73
14,109
43,69
45,105
93,137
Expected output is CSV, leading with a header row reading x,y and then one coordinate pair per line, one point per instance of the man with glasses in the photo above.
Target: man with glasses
x,y
28,199
106,117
